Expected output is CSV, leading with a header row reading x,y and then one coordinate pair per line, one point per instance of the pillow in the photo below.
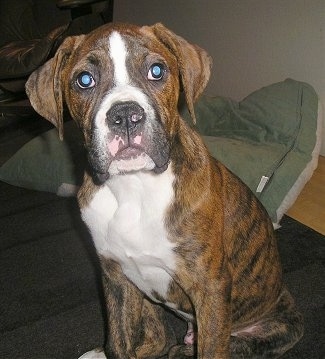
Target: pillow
x,y
47,164
271,140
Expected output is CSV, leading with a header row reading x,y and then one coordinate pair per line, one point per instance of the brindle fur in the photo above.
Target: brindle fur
x,y
228,269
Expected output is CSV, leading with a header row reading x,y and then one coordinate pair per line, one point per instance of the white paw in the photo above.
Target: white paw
x,y
189,338
94,354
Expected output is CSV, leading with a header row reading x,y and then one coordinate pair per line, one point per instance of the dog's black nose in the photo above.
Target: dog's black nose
x,y
126,113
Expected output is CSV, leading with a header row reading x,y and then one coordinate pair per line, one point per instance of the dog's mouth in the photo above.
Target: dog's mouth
x,y
130,139
129,154
130,159
100,178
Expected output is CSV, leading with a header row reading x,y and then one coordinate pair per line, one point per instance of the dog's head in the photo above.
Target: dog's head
x,y
121,84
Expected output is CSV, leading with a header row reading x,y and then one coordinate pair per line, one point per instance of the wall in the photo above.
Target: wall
x,y
253,42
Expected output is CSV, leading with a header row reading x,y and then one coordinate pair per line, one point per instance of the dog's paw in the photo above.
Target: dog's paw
x,y
190,337
181,352
94,354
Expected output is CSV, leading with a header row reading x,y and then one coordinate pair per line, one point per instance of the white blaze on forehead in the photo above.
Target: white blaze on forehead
x,y
122,90
118,54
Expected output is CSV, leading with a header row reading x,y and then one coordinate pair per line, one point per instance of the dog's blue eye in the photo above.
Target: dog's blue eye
x,y
156,72
85,80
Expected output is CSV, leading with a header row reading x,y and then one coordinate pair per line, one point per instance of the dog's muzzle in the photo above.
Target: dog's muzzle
x,y
133,140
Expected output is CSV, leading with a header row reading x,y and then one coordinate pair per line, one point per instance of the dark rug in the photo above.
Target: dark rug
x,y
50,296
49,288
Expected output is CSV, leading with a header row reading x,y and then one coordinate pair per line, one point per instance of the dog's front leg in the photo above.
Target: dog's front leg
x,y
137,328
123,309
213,315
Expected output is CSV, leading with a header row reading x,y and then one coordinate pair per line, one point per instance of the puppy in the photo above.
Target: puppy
x,y
173,228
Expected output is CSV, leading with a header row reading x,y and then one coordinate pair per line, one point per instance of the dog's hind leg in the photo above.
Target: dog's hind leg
x,y
272,336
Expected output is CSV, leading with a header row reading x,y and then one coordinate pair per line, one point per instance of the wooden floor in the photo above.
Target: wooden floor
x,y
309,207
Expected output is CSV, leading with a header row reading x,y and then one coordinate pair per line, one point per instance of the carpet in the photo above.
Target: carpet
x,y
50,296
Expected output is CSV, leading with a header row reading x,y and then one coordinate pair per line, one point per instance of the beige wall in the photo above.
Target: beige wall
x,y
253,42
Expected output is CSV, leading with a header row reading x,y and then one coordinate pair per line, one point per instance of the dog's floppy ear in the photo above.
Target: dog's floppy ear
x,y
44,87
194,64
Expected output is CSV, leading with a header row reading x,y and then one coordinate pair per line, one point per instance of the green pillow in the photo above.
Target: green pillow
x,y
48,164
273,133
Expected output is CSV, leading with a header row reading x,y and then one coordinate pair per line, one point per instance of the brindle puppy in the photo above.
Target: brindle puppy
x,y
172,226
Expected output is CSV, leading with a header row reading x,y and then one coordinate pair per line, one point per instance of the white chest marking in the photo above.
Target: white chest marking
x,y
126,220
